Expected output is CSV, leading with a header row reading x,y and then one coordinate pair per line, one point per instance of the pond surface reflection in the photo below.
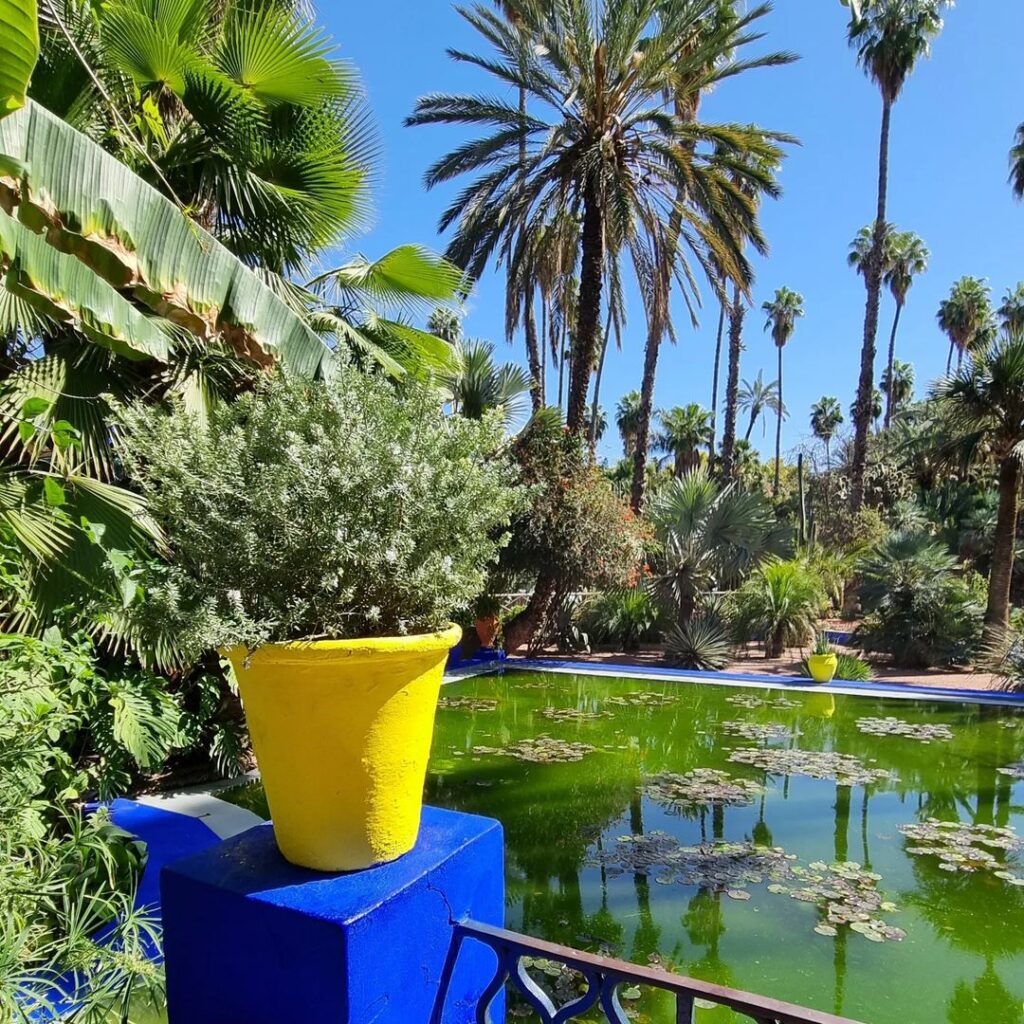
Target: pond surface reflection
x,y
614,843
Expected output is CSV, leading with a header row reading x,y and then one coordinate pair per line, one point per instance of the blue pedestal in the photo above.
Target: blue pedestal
x,y
252,939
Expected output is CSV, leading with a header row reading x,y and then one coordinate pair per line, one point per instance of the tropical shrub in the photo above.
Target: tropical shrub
x,y
573,534
710,537
625,618
63,875
341,508
921,608
781,602
703,642
114,725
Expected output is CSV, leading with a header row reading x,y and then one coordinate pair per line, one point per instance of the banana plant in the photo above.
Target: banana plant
x,y
19,50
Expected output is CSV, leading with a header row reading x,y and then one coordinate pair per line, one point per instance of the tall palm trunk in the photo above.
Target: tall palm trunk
x,y
755,411
778,429
533,351
890,364
949,358
588,316
597,379
714,384
997,615
737,311
873,279
643,428
529,318
543,346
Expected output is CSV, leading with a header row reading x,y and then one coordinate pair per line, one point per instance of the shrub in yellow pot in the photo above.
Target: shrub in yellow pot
x,y
325,535
341,730
822,662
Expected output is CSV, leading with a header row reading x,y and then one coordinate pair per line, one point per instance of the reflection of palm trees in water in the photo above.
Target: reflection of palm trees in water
x,y
705,927
978,914
1000,1005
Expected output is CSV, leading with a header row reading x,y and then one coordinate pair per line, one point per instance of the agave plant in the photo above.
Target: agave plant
x,y
703,643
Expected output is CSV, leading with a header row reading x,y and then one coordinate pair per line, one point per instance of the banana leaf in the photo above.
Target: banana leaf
x,y
19,49
87,205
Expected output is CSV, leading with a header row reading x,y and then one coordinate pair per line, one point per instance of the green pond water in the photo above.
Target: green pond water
x,y
611,845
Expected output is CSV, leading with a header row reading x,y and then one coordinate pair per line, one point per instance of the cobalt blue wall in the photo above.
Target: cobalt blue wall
x,y
252,939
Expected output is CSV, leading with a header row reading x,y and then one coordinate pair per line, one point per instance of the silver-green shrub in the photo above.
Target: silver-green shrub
x,y
337,509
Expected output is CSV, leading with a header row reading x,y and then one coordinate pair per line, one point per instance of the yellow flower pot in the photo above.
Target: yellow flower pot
x,y
822,667
341,730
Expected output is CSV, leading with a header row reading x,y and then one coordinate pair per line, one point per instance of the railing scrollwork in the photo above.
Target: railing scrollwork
x,y
603,976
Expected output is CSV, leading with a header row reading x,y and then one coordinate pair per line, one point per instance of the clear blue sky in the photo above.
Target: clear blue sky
x,y
951,133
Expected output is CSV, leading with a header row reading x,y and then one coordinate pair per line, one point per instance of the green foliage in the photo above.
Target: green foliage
x,y
104,727
335,509
781,602
624,618
574,529
67,729
19,50
710,537
704,642
921,609
822,645
479,385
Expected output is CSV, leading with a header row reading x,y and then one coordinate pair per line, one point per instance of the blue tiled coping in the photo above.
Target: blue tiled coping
x,y
904,691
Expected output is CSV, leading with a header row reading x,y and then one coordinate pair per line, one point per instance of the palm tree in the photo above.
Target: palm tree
x,y
1011,312
238,112
875,409
902,383
714,378
782,314
966,318
758,397
446,324
627,419
826,416
709,54
712,536
600,144
479,385
1017,163
890,37
597,426
907,257
683,430
987,403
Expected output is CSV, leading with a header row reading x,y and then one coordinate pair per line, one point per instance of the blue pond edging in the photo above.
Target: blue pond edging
x,y
904,691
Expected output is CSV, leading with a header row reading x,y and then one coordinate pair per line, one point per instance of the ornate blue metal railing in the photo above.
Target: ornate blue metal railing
x,y
603,977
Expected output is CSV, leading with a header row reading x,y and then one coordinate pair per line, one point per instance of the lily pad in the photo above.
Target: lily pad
x,y
847,894
572,715
845,769
923,733
964,847
721,866
641,700
468,703
702,787
750,701
541,749
755,731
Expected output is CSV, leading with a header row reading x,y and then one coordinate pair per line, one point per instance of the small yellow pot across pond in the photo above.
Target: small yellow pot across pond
x,y
822,667
341,730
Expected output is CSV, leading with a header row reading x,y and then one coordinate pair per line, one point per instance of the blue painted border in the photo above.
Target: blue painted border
x,y
904,691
